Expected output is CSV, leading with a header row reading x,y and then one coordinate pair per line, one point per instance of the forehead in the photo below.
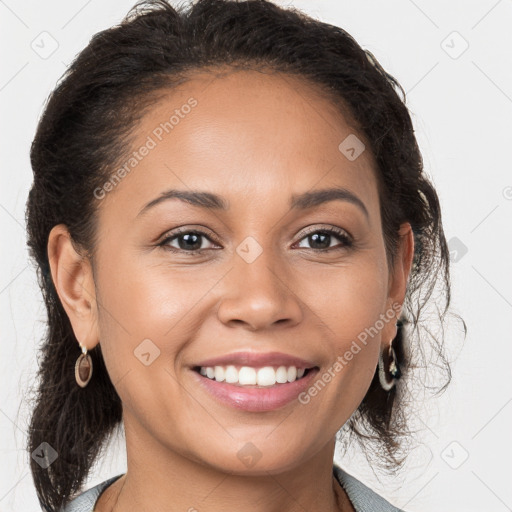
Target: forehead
x,y
245,135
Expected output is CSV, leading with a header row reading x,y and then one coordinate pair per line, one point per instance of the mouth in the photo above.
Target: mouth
x,y
254,377
254,389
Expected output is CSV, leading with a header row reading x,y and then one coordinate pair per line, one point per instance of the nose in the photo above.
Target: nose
x,y
259,295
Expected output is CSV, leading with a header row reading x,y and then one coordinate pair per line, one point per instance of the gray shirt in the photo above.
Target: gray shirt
x,y
363,498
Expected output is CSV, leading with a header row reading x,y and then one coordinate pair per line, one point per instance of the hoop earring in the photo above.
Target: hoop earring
x,y
83,368
391,363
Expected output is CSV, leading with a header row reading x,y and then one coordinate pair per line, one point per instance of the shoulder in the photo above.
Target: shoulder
x,y
86,501
362,497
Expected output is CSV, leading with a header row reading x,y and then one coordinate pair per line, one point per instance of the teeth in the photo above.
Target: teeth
x,y
266,376
231,375
220,374
282,375
248,376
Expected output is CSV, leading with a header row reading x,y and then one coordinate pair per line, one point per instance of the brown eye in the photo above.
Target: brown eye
x,y
191,241
320,239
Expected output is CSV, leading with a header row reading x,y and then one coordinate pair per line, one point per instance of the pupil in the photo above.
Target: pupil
x,y
326,238
191,237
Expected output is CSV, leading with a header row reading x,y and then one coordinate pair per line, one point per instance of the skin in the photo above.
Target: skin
x,y
267,137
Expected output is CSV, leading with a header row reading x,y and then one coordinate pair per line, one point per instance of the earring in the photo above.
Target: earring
x,y
392,364
83,368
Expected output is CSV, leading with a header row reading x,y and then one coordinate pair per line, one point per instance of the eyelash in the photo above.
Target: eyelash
x,y
339,233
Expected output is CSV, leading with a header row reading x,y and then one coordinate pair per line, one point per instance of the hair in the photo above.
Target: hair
x,y
85,131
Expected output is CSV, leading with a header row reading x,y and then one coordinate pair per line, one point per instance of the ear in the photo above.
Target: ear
x,y
73,279
398,277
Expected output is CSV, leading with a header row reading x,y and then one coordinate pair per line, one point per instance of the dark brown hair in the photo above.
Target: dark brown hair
x,y
85,131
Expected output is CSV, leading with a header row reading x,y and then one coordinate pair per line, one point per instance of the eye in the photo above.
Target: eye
x,y
322,238
191,240
187,240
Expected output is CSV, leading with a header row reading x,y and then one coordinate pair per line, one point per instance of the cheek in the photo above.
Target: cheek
x,y
140,302
349,301
349,298
145,296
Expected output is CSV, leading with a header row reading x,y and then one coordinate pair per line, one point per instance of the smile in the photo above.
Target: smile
x,y
250,376
246,394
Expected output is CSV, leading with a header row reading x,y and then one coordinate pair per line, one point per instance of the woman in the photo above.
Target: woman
x,y
235,241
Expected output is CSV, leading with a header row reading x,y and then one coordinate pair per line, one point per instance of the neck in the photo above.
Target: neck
x,y
161,479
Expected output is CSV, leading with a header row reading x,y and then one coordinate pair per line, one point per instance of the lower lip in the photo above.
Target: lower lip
x,y
255,399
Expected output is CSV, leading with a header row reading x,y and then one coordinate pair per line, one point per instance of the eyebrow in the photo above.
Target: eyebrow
x,y
210,201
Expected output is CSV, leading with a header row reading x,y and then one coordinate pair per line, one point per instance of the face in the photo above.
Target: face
x,y
243,279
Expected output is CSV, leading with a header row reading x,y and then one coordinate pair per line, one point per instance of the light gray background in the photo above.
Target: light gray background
x,y
461,104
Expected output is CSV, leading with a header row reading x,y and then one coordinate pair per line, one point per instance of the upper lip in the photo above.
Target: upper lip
x,y
257,360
